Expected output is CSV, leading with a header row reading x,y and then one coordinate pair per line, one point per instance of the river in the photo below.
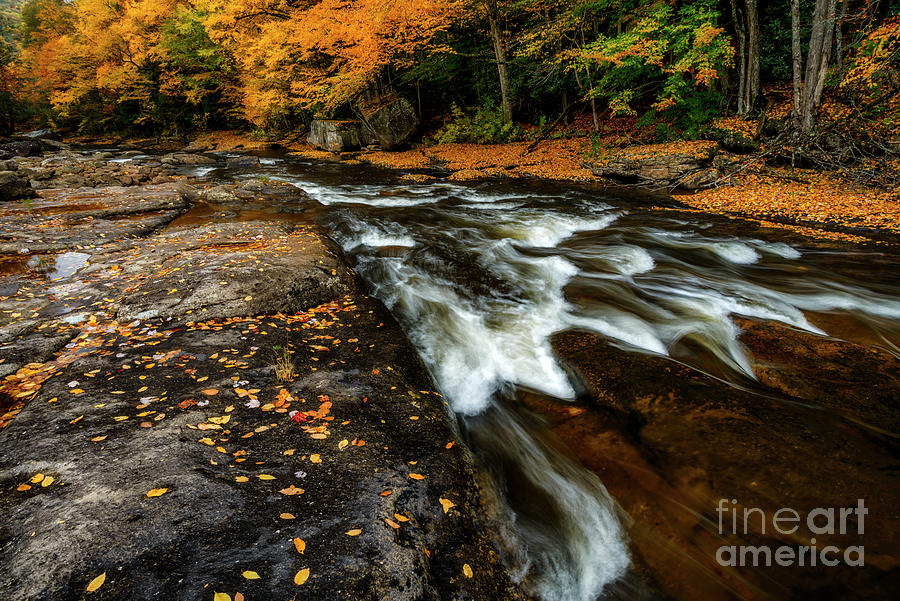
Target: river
x,y
481,276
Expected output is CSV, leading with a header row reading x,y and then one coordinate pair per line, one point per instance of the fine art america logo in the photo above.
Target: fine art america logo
x,y
821,521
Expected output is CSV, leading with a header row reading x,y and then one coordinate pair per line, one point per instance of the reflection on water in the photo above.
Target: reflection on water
x,y
482,275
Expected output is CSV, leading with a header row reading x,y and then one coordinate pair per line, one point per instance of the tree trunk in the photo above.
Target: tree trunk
x,y
839,41
796,59
746,27
500,55
820,44
753,71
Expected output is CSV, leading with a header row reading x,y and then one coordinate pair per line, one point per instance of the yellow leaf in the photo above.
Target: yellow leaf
x,y
291,490
446,504
207,441
220,420
467,570
343,444
221,597
98,439
266,477
47,481
354,532
314,458
300,545
96,583
157,492
241,479
301,576
37,478
251,575
287,516
416,476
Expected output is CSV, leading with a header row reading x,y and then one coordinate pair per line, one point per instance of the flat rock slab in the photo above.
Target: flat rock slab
x,y
269,431
88,218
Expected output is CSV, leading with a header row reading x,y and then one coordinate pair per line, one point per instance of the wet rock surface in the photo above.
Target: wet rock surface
x,y
278,418
690,169
669,442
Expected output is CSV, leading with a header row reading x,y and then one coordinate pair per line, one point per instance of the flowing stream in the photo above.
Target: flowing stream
x,y
481,275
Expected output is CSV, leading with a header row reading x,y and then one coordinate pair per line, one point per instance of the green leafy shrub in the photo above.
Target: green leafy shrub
x,y
485,126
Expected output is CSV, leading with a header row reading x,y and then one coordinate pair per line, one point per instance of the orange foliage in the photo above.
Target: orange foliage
x,y
320,55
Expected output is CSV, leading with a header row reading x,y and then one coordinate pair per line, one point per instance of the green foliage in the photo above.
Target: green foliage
x,y
485,126
670,58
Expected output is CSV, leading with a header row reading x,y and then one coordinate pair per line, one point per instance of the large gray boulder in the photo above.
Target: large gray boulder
x,y
13,186
336,136
393,124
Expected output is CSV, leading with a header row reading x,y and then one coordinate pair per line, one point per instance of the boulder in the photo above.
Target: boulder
x,y
43,134
393,124
13,186
336,136
242,162
21,148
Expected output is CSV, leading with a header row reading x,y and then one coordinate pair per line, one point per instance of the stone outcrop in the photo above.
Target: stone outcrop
x,y
685,165
390,125
13,186
669,441
277,416
337,136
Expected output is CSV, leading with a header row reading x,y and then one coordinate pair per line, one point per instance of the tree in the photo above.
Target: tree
x,y
746,24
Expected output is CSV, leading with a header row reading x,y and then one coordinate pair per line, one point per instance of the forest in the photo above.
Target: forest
x,y
481,66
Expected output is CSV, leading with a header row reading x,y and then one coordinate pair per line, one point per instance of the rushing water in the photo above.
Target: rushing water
x,y
482,275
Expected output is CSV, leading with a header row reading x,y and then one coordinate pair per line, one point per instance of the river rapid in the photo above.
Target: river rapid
x,y
481,276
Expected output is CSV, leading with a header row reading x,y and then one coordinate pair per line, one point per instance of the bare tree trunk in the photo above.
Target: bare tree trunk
x,y
500,55
742,55
746,27
839,41
796,59
753,71
820,43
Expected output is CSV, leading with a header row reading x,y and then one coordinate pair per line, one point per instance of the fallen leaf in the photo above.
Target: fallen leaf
x,y
96,583
343,444
238,597
98,438
210,392
287,516
241,479
221,597
77,419
401,518
467,570
266,477
157,492
251,575
354,532
392,523
415,476
446,504
299,544
23,487
314,458
291,490
301,576
37,478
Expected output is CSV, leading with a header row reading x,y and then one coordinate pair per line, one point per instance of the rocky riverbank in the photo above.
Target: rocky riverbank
x,y
195,406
